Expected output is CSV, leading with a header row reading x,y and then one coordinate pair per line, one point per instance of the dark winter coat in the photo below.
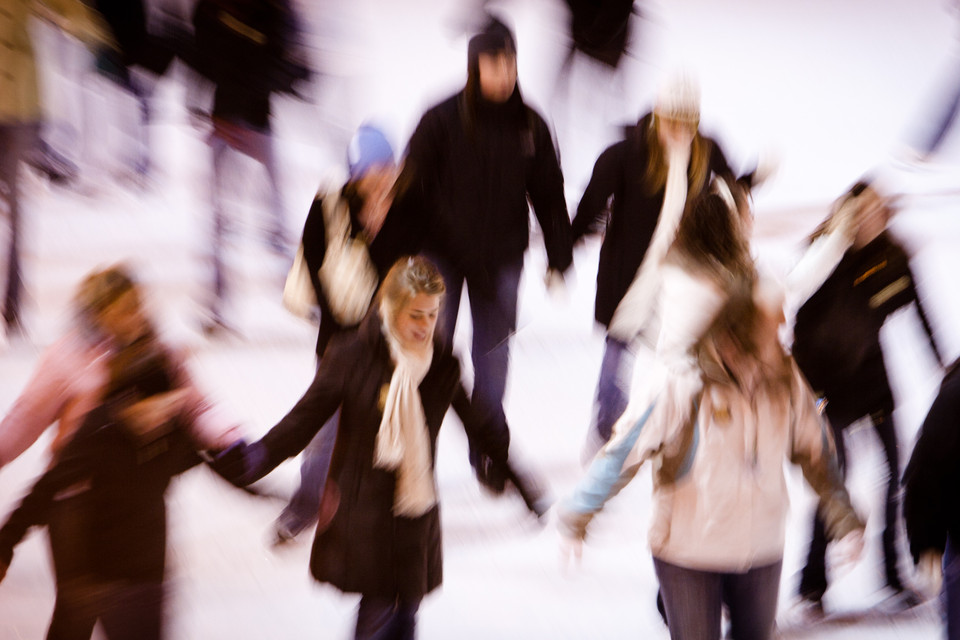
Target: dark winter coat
x,y
629,222
931,500
470,172
837,330
137,46
118,485
387,246
243,46
601,28
364,548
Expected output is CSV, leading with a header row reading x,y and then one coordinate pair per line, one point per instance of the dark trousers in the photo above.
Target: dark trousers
x,y
386,619
126,610
951,589
693,600
16,140
613,387
813,578
493,309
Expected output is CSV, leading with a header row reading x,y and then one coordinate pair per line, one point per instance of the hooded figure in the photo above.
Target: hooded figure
x,y
473,164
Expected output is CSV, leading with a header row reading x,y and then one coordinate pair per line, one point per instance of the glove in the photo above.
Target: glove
x,y
490,474
240,463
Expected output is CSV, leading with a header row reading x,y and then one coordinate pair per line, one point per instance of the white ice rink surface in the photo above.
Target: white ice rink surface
x,y
828,89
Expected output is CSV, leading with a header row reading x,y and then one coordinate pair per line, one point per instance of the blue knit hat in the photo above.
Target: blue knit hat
x,y
369,148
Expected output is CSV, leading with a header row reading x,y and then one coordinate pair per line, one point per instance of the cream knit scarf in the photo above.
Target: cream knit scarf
x,y
403,441
638,307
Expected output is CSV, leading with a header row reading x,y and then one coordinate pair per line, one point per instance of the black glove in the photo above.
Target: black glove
x,y
240,463
492,475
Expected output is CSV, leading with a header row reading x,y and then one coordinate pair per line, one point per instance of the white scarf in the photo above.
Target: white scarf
x,y
403,441
638,307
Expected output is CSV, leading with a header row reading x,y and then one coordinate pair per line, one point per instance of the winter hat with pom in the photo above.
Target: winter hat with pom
x,y
369,148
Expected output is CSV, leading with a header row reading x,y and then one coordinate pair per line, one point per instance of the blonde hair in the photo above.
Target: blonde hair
x,y
408,277
99,289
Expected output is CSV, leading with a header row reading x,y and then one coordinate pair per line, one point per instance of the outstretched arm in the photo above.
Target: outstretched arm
x,y
243,463
73,466
813,449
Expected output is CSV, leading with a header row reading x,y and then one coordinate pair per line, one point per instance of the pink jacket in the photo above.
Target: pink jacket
x,y
68,382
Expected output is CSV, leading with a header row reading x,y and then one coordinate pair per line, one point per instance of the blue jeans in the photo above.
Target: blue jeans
x,y
951,590
613,387
493,307
693,600
386,619
301,511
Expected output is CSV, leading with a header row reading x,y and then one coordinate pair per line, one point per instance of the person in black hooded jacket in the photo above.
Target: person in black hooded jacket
x,y
473,163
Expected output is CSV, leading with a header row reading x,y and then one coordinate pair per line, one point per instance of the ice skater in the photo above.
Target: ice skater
x,y
358,208
393,381
720,497
635,197
854,275
473,163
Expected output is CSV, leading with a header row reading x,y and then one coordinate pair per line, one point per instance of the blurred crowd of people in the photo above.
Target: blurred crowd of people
x,y
695,376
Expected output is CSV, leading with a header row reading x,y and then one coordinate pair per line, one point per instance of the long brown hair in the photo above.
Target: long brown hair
x,y
741,323
655,175
710,238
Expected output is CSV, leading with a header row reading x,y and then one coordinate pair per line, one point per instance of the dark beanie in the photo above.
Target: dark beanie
x,y
495,36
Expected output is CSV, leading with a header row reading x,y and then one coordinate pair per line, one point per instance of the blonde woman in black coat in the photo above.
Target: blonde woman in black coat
x,y
379,529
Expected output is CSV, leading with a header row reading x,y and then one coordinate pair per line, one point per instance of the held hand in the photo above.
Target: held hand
x,y
572,531
930,572
556,285
847,551
231,464
571,551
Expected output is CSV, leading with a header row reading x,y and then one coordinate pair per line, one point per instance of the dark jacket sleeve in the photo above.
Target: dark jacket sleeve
x,y
72,465
483,437
925,322
930,477
417,186
898,289
295,430
314,250
545,189
315,242
593,210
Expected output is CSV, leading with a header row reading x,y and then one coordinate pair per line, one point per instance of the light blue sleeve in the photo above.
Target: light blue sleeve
x,y
598,484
